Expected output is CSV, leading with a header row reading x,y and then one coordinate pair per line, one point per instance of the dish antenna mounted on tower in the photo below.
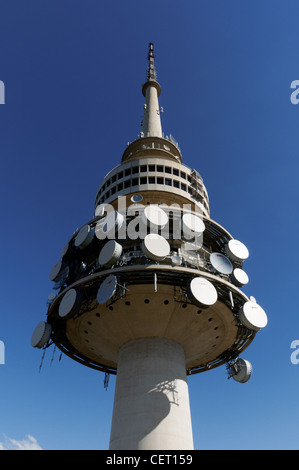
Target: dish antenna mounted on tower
x,y
150,290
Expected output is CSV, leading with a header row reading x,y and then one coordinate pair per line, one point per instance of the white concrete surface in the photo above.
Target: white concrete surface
x,y
151,404
151,125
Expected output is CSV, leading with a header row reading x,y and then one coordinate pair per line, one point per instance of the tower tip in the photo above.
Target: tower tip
x,y
151,71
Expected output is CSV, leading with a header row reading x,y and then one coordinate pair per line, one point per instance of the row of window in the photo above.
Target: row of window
x,y
145,180
145,169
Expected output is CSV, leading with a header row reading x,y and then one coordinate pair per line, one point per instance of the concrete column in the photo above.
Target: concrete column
x,y
151,405
151,116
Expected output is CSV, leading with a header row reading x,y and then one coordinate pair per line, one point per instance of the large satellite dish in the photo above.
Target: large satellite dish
x,y
110,253
41,334
155,247
201,292
241,370
59,272
192,225
253,316
239,277
155,216
84,237
70,304
221,263
237,251
107,289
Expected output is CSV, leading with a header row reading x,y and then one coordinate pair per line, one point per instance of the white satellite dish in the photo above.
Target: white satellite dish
x,y
236,250
241,370
155,216
84,237
221,263
201,292
59,272
253,316
110,253
108,226
107,289
70,304
41,334
192,225
155,247
239,277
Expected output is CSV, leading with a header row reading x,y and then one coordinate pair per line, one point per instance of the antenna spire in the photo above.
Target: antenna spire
x,y
151,71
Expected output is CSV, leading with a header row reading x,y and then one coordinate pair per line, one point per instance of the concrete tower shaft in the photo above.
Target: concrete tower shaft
x,y
149,289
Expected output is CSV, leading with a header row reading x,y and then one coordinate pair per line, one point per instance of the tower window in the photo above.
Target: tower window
x,y
135,169
143,180
160,168
151,180
183,187
143,168
175,172
160,180
127,183
176,184
168,181
151,168
167,169
127,171
134,181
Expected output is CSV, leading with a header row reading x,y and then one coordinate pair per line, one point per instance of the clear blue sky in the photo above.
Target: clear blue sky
x,y
73,72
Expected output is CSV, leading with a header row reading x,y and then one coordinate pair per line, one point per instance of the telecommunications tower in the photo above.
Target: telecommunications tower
x,y
149,289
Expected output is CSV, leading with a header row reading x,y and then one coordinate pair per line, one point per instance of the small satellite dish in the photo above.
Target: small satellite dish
x,y
107,289
236,250
52,296
241,370
239,277
176,260
41,335
59,272
201,292
155,247
110,253
253,316
84,237
155,216
166,148
70,304
109,225
221,263
192,225
136,198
